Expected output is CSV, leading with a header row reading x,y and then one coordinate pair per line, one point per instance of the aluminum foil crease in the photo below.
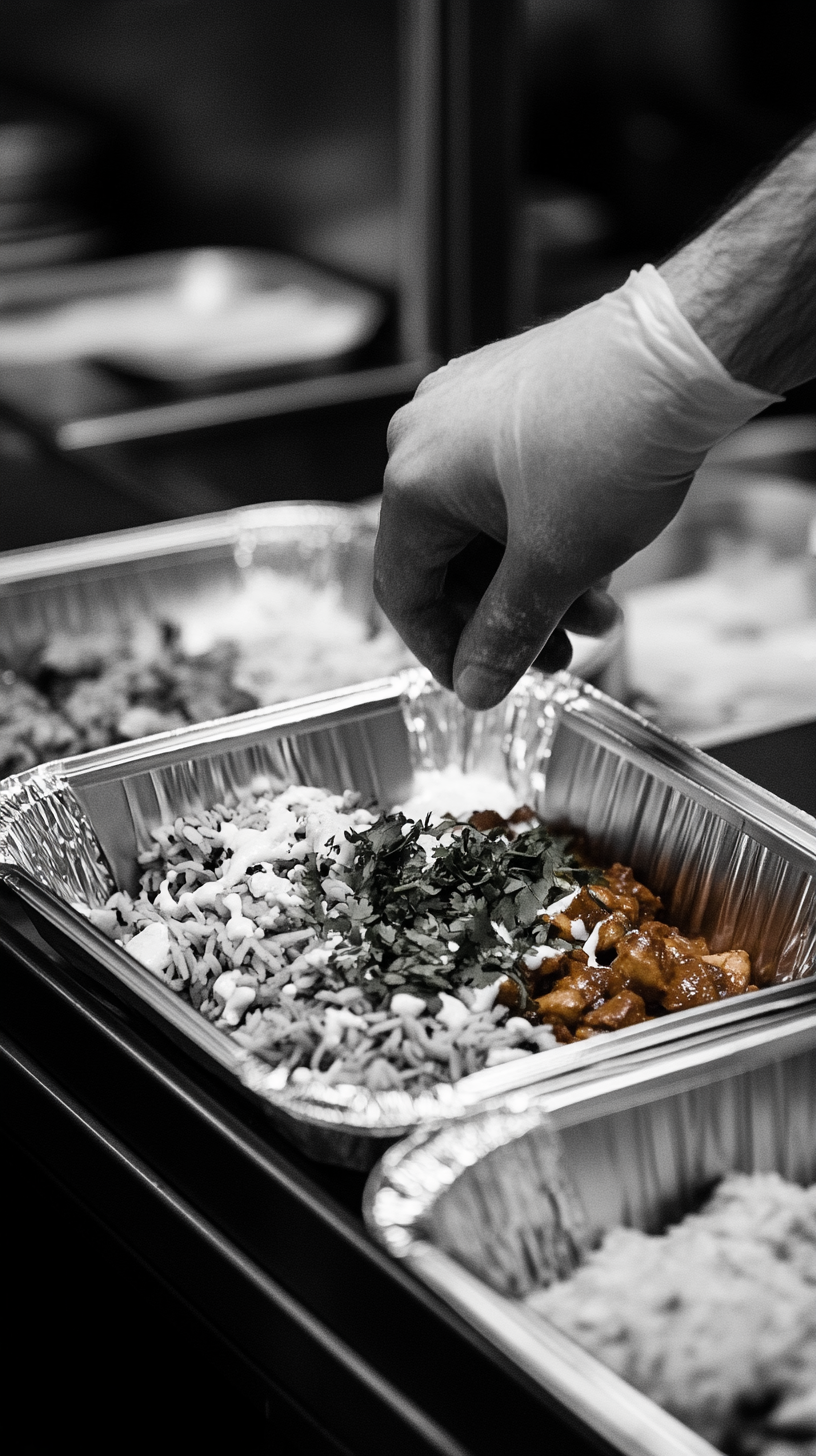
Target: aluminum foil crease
x,y
503,1202
729,860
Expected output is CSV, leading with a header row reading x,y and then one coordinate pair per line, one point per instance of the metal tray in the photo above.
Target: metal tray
x,y
731,861
747,516
166,571
639,1148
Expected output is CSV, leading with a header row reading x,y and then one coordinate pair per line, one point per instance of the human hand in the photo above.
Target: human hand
x,y
521,475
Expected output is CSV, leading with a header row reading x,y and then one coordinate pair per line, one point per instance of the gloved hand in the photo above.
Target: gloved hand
x,y
570,446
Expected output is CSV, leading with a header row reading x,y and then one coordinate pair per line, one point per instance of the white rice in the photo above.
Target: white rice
x,y
223,919
293,637
715,1319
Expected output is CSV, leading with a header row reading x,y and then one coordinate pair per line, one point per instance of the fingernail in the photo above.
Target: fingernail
x,y
478,688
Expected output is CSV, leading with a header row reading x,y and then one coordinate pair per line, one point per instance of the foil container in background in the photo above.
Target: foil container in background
x,y
166,571
169,572
494,1205
730,860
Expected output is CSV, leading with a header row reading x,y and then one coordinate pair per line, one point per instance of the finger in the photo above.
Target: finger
x,y
513,621
556,654
411,558
592,614
470,573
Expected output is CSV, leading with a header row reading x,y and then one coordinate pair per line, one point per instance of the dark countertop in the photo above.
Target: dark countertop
x,y
159,1224
784,762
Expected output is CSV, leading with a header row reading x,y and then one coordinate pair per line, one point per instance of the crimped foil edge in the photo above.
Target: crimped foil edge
x,y
403,1188
518,737
45,830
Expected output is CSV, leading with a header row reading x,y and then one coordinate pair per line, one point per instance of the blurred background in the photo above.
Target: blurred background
x,y
639,117
451,169
235,234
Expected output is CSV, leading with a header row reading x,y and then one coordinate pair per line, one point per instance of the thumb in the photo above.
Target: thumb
x,y
514,619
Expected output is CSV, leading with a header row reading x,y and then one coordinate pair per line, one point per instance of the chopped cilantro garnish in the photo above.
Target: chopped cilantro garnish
x,y
458,914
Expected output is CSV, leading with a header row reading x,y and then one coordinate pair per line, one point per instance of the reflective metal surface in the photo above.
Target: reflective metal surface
x,y
719,614
729,859
165,571
640,1147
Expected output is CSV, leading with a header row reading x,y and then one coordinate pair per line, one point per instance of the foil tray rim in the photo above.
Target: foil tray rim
x,y
403,1187
629,1420
729,792
578,700
773,821
683,1068
317,710
27,566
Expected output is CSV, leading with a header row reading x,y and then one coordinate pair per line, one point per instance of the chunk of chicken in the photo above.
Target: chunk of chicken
x,y
692,984
645,966
625,1009
606,901
583,989
736,969
611,932
638,965
621,880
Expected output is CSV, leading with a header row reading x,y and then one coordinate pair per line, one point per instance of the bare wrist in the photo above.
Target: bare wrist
x,y
747,285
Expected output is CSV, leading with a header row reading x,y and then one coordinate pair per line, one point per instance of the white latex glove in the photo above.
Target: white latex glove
x,y
571,446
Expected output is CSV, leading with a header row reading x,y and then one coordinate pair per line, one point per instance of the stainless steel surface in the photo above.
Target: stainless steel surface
x,y
639,1147
147,422
730,860
83,404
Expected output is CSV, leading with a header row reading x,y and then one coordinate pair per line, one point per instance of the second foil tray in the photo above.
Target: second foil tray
x,y
730,861
178,568
642,1149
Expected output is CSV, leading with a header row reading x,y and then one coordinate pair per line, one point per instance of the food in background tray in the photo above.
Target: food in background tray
x,y
733,645
715,1319
294,637
279,638
78,693
410,947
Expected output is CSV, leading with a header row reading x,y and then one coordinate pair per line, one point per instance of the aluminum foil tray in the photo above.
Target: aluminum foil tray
x,y
165,571
464,1205
730,860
